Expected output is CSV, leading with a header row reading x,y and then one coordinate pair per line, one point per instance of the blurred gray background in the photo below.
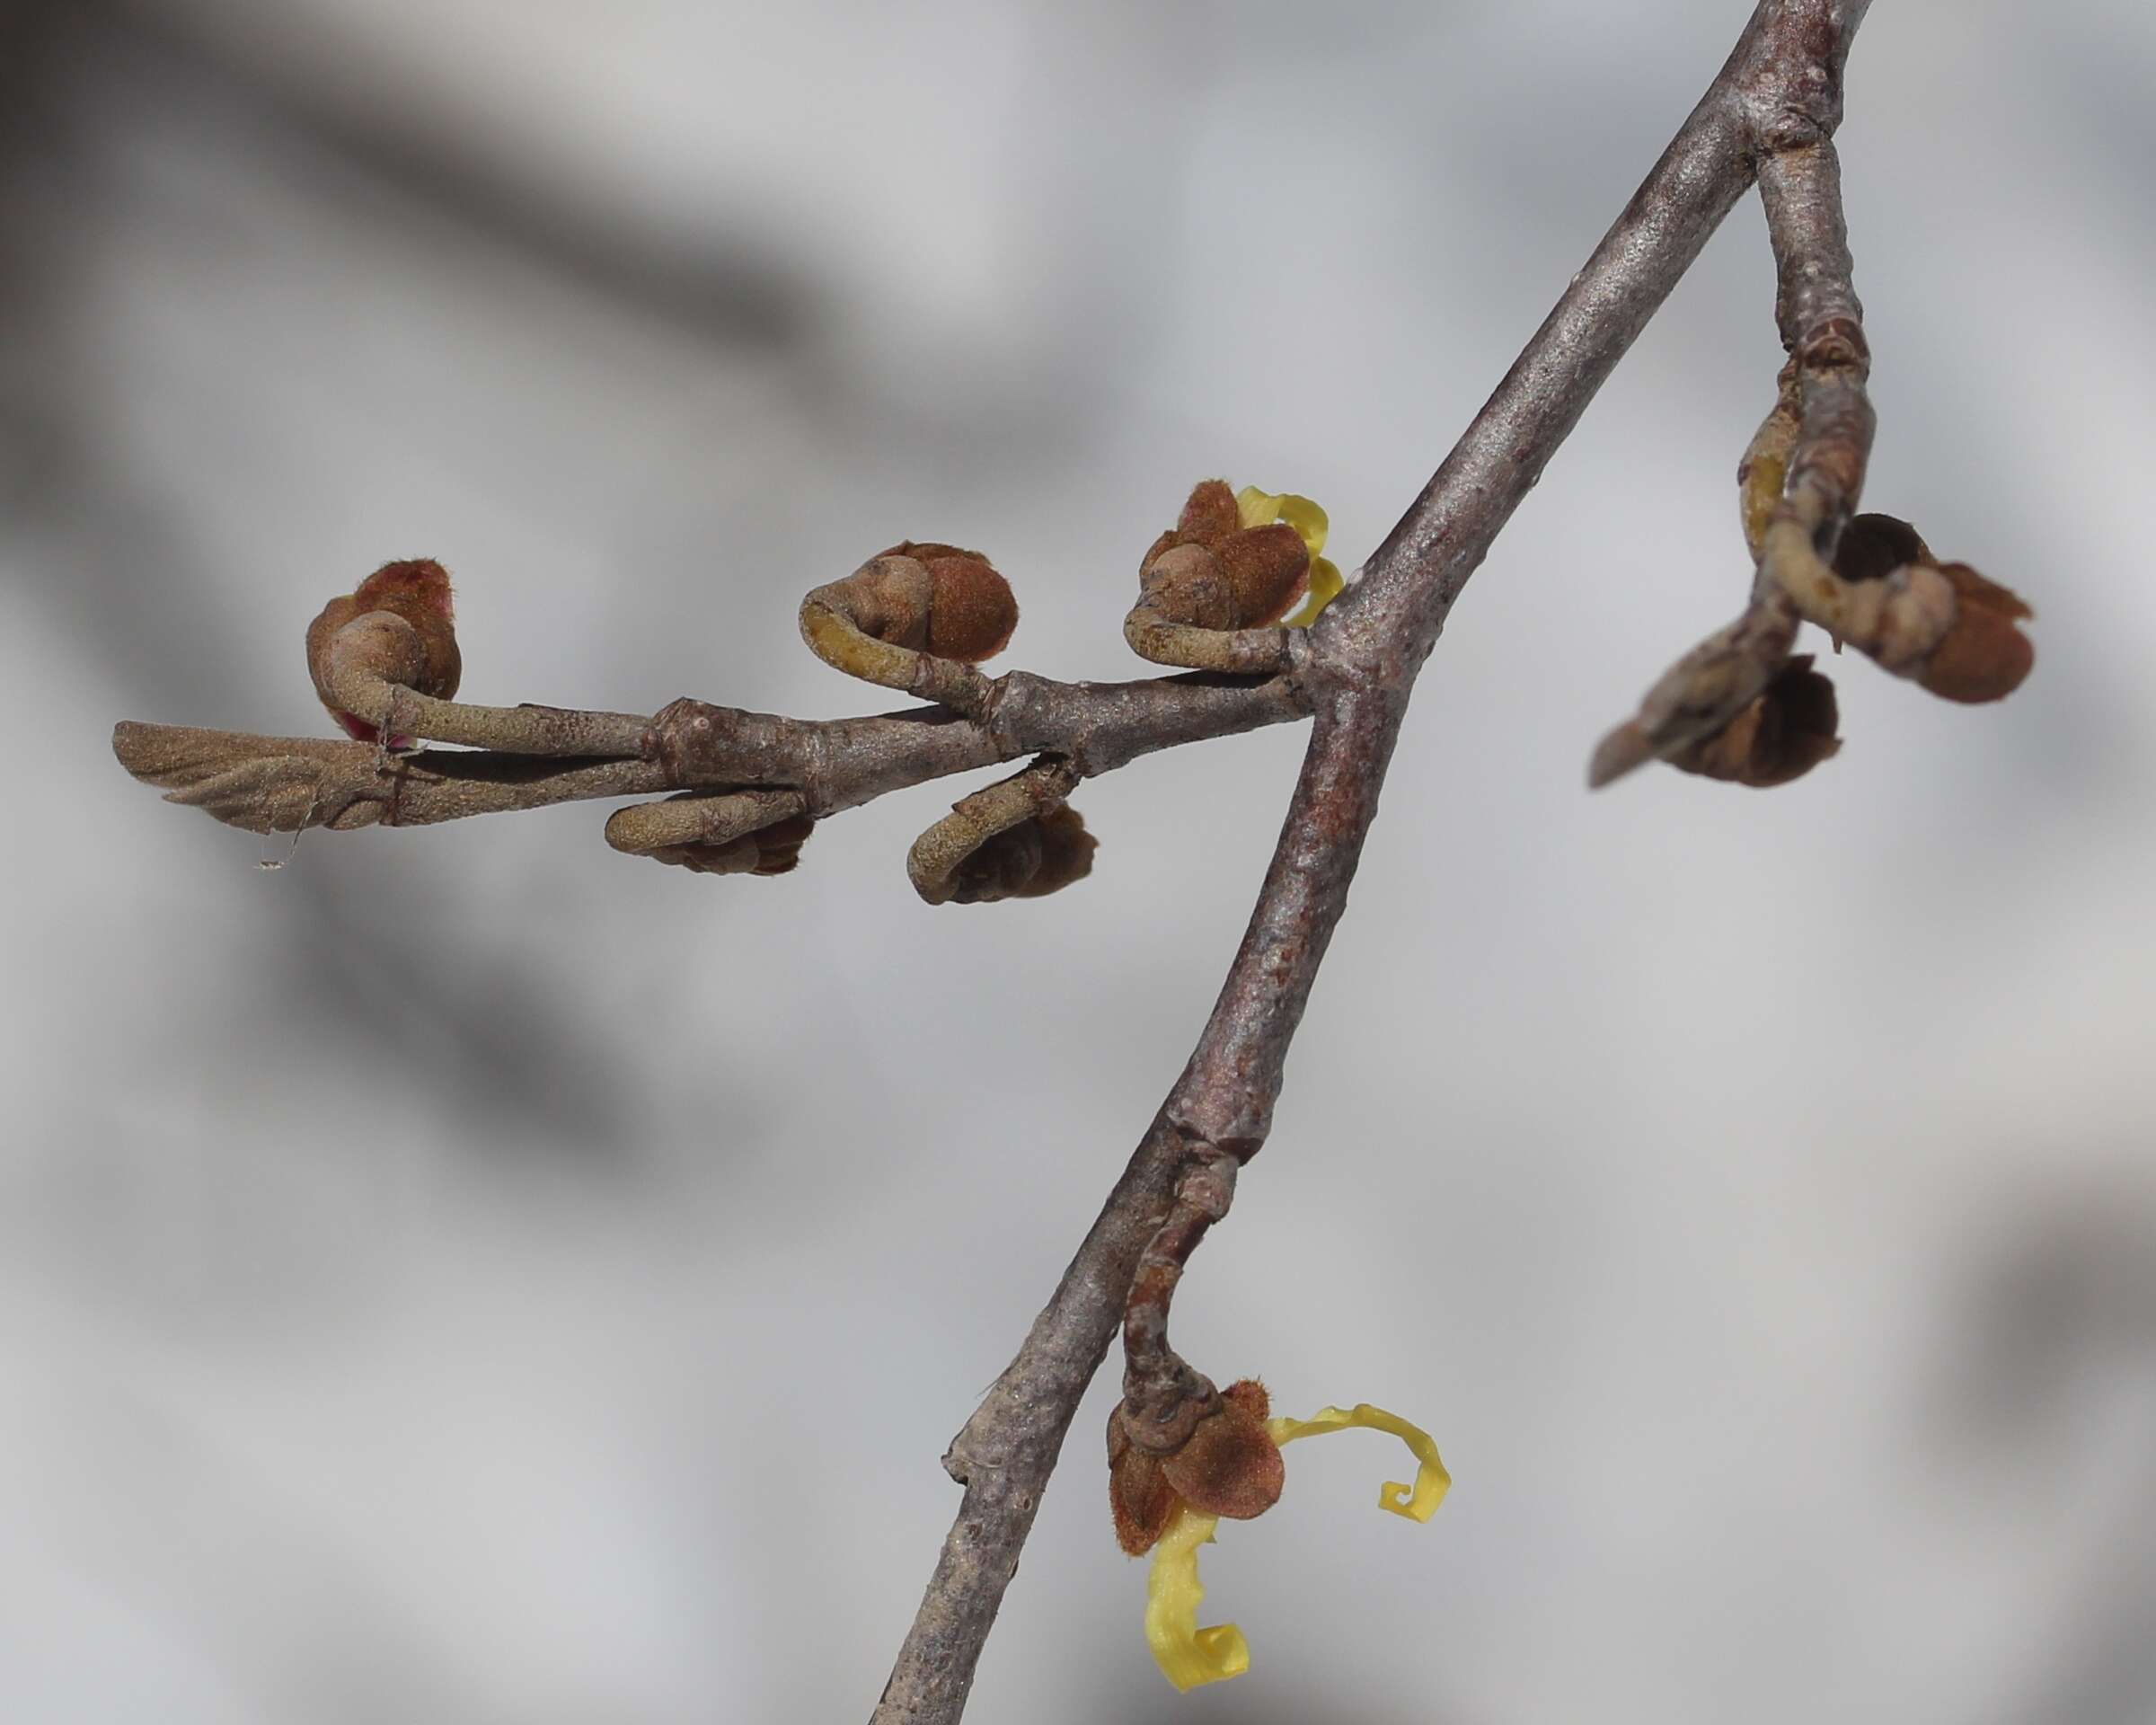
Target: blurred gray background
x,y
468,1275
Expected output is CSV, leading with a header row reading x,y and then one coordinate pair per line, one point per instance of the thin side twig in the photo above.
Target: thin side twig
x,y
284,784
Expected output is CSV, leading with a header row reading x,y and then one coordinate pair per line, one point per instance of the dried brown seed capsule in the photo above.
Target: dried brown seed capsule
x,y
1787,731
415,590
1984,657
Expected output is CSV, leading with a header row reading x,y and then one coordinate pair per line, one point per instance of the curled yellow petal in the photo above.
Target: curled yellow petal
x,y
1418,1502
1325,587
1188,1655
1256,509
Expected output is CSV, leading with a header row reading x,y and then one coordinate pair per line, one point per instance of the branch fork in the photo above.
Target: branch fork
x,y
1741,706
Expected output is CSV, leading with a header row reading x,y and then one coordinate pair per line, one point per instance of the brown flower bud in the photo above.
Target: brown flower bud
x,y
1787,731
1040,855
1984,657
776,849
417,592
965,610
1228,1465
1212,572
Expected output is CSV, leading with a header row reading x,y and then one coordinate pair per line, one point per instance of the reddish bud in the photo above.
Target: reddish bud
x,y
416,591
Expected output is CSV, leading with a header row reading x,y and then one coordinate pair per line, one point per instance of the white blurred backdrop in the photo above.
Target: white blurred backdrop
x,y
468,1275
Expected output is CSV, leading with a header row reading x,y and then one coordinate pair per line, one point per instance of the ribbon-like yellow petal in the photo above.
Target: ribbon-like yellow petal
x,y
1257,508
1325,587
1188,1655
1417,1503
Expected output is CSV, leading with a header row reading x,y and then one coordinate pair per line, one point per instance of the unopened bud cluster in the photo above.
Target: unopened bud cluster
x,y
416,592
1211,571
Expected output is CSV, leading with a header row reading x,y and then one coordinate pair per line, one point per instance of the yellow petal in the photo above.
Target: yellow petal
x,y
1188,1655
1418,1502
1257,508
1325,587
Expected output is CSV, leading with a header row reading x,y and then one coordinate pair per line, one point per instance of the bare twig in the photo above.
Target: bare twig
x,y
1363,657
284,784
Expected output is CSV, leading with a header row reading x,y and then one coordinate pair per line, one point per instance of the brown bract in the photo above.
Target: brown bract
x,y
1984,657
1228,1465
416,592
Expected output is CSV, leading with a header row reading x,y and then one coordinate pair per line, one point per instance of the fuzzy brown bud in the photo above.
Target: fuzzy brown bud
x,y
965,609
417,592
1786,732
1040,855
1209,572
1984,657
776,849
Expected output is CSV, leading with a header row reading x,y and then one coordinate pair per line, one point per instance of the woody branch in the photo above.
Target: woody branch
x,y
1363,657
